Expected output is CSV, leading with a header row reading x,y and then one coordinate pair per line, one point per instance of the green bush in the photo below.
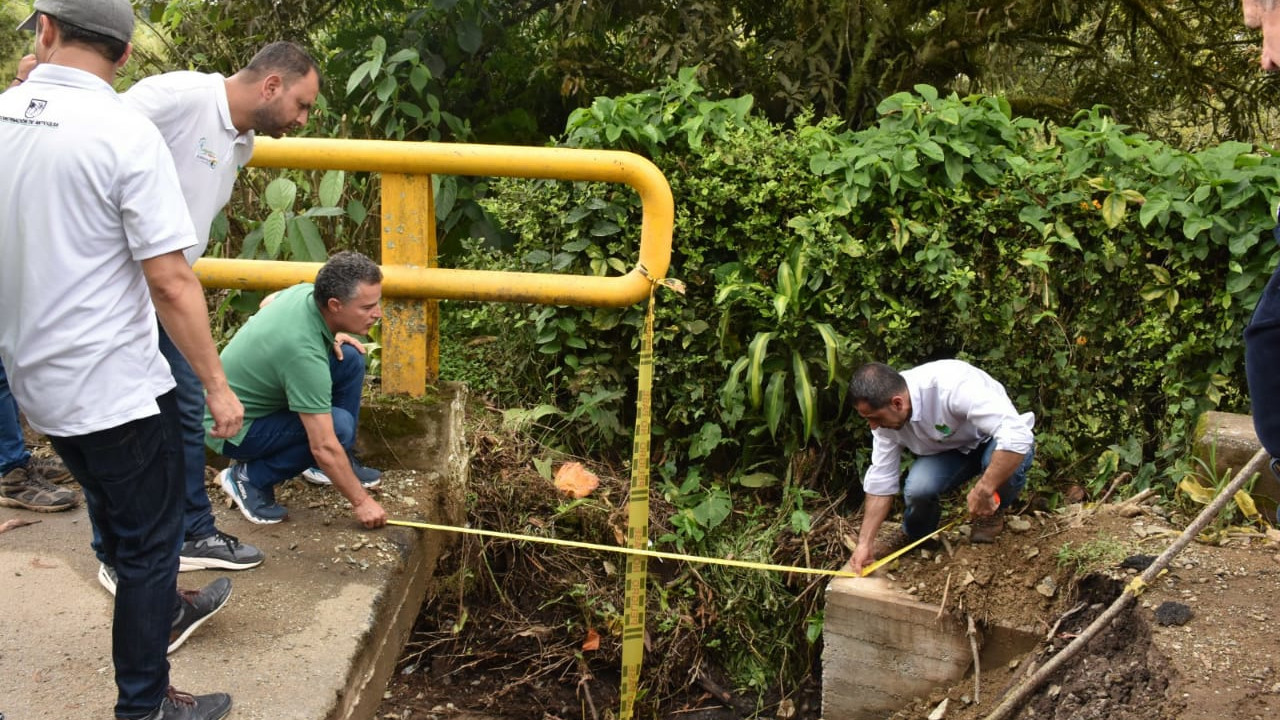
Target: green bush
x,y
1103,277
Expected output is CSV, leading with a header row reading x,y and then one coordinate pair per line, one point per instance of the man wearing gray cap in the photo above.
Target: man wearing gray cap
x,y
87,270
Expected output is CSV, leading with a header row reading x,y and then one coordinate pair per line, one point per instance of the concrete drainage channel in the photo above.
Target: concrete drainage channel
x,y
883,648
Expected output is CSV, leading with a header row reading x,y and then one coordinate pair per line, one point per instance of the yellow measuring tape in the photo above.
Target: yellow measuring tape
x,y
629,551
894,555
638,517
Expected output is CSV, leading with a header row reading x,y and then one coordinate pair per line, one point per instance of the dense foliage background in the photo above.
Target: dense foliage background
x,y
1065,192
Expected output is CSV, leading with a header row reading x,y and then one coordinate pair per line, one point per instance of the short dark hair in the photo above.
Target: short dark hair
x,y
875,384
106,46
288,59
342,276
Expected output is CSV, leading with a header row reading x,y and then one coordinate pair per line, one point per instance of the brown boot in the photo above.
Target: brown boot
x,y
987,529
20,489
49,469
889,541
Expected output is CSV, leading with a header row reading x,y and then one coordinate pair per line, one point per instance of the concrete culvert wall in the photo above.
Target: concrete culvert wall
x,y
884,649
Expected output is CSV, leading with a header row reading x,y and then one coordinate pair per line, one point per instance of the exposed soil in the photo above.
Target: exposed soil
x,y
495,641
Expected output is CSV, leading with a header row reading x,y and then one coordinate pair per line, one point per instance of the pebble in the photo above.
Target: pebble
x,y
1047,586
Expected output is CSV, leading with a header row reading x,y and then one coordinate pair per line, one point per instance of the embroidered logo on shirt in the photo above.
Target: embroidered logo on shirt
x,y
943,430
35,108
206,156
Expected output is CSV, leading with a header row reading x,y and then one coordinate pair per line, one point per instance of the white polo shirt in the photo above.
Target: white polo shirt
x,y
954,406
87,192
191,111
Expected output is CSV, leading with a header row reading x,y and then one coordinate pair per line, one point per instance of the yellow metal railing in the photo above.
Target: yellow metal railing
x,y
412,283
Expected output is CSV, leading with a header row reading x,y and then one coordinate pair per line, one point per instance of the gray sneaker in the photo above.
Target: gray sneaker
x,y
21,489
178,705
220,551
196,607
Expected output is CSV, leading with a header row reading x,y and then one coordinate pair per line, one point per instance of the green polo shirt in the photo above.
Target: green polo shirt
x,y
279,360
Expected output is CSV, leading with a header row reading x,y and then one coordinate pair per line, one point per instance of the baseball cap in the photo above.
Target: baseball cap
x,y
113,18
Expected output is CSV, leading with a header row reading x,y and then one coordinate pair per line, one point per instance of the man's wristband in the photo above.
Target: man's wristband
x,y
19,80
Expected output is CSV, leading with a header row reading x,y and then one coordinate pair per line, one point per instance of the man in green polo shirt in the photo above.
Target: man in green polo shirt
x,y
301,392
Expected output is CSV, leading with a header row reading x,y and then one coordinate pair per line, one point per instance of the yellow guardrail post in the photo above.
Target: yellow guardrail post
x,y
410,328
411,281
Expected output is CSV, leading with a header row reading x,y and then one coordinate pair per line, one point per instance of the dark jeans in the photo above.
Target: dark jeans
x,y
276,447
1262,365
132,481
198,519
13,449
932,476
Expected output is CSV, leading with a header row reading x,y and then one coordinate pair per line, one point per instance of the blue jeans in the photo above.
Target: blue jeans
x,y
1261,360
13,449
198,518
276,447
132,481
931,476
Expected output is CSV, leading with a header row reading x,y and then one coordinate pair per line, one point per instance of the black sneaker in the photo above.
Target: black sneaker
x,y
369,478
196,607
220,551
259,506
178,705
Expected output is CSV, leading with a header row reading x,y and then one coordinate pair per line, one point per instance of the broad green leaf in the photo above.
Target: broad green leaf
x,y
402,55
801,522
470,36
315,250
322,212
806,396
446,193
281,194
832,343
711,512
774,400
758,480
780,303
786,280
386,87
730,386
367,69
273,233
520,419
331,187
1113,210
357,211
757,351
707,440
419,76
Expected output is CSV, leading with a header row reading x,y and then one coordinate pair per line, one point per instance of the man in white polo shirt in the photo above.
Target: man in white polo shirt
x,y
89,265
209,122
958,423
